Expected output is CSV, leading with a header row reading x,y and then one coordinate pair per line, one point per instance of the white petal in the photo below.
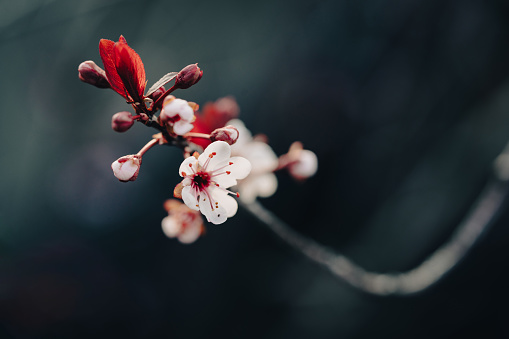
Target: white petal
x,y
180,107
188,195
216,215
187,113
171,226
247,192
225,180
266,185
230,205
191,233
222,153
185,168
124,171
262,157
252,187
239,167
228,171
181,127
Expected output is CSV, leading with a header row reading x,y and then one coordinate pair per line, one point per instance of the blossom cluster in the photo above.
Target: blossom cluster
x,y
220,153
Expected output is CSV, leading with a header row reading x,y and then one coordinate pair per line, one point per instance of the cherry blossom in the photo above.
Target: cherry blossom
x,y
206,179
182,222
261,182
178,114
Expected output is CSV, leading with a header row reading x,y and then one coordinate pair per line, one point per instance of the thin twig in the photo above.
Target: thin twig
x,y
431,270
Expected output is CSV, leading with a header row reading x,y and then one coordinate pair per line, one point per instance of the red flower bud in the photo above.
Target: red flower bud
x,y
188,76
157,93
122,121
229,134
92,74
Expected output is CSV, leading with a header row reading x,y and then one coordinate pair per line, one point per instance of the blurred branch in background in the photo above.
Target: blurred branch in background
x,y
431,270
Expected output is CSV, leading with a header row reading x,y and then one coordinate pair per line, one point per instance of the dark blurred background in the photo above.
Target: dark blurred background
x,y
406,104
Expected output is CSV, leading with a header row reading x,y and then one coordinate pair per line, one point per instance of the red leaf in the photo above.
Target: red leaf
x,y
106,51
124,68
130,69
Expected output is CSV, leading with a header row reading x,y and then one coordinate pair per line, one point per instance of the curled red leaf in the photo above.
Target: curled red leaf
x,y
124,69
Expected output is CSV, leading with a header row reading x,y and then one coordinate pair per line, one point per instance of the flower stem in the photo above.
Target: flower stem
x,y
197,135
148,146
159,100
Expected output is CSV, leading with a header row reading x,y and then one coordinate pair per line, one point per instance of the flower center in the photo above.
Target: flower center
x,y
174,119
201,180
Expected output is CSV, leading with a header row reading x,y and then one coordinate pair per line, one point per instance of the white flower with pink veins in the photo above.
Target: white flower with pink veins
x,y
207,178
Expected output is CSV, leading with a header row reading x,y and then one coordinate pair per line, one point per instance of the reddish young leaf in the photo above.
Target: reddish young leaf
x,y
124,69
106,51
130,69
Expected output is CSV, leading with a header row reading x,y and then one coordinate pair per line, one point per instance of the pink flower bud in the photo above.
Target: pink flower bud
x,y
122,121
188,76
300,163
228,134
158,92
126,168
92,74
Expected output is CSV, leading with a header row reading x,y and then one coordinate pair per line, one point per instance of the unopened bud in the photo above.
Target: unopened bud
x,y
301,163
229,134
126,168
92,74
188,76
122,121
157,93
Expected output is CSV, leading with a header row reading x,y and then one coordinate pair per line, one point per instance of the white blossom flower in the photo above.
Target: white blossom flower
x,y
261,182
207,178
182,223
177,113
126,168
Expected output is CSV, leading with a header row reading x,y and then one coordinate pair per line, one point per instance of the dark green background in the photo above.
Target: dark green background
x,y
406,104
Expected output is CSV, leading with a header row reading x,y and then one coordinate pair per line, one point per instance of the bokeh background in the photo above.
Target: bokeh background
x,y
406,104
